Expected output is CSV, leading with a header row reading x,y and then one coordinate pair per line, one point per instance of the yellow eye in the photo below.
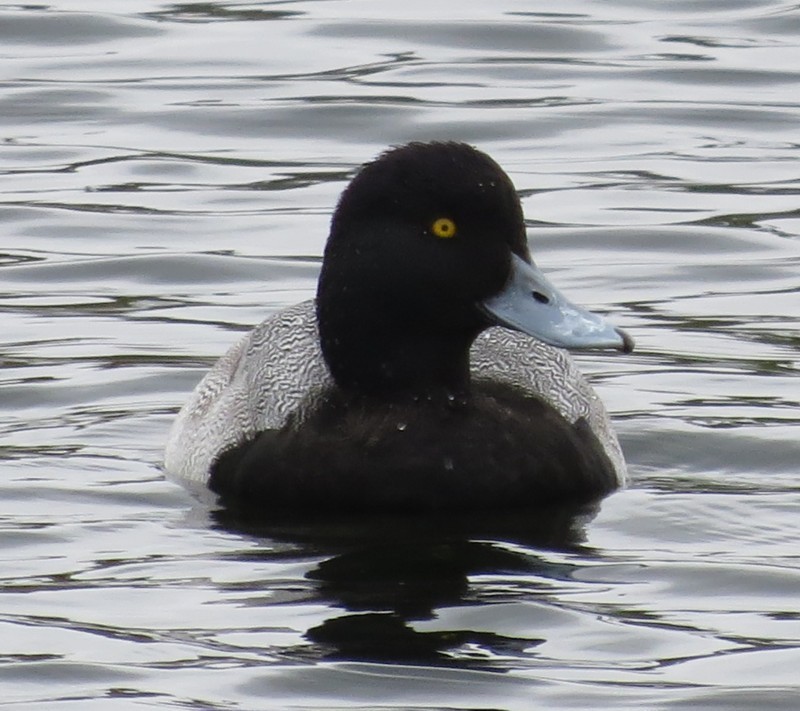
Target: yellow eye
x,y
444,228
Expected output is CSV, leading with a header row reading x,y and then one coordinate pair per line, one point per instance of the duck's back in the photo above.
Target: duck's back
x,y
276,372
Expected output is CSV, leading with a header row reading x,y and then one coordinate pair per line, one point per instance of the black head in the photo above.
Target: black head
x,y
420,237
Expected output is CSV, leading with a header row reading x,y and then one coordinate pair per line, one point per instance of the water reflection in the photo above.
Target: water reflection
x,y
388,572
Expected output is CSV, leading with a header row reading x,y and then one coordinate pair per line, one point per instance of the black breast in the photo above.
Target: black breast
x,y
499,449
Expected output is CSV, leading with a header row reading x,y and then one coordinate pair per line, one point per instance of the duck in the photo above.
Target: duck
x,y
431,372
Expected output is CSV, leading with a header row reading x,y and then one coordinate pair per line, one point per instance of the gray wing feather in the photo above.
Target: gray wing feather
x,y
550,374
267,376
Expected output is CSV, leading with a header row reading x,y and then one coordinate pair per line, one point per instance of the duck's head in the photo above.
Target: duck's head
x,y
428,248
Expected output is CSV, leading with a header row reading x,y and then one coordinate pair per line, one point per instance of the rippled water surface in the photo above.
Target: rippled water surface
x,y
166,177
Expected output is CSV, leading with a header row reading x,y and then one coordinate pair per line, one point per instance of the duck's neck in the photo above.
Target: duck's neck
x,y
368,357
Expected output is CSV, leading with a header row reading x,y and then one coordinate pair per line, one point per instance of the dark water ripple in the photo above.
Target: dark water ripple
x,y
166,176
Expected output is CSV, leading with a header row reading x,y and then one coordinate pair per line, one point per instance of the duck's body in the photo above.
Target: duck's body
x,y
391,392
275,378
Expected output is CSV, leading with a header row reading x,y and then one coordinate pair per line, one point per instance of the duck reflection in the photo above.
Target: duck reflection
x,y
391,572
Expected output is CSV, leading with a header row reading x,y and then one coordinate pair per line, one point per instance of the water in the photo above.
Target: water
x,y
166,177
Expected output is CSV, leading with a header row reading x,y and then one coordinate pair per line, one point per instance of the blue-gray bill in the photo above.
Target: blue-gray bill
x,y
531,304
